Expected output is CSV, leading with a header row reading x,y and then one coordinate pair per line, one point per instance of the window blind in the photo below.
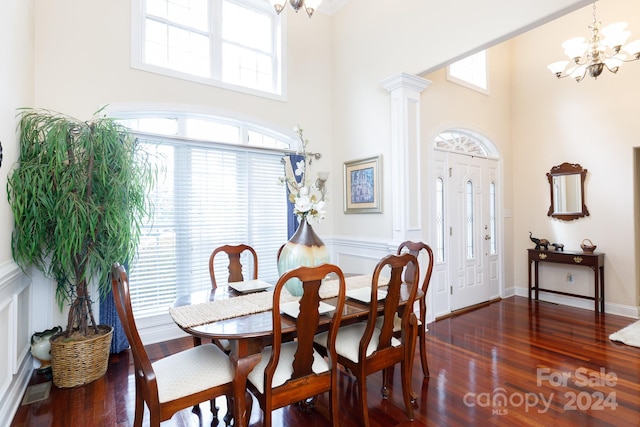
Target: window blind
x,y
207,195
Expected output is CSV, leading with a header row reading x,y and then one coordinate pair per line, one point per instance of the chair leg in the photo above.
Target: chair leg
x,y
139,411
407,393
362,392
229,415
333,403
387,374
266,416
214,409
154,416
423,351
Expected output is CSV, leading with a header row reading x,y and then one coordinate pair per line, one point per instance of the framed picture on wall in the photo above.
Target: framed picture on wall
x,y
362,186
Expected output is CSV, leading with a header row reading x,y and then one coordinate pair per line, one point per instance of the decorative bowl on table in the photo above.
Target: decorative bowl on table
x,y
587,246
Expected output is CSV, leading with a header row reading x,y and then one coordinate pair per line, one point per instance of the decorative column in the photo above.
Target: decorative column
x,y
406,176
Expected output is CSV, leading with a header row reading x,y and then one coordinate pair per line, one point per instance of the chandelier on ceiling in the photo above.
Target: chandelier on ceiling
x,y
596,54
310,6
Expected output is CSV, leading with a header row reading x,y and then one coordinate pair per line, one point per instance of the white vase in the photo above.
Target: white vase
x,y
41,347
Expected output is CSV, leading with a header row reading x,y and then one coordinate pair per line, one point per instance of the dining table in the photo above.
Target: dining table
x,y
241,314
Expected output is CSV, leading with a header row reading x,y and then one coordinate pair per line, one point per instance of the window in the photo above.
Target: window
x,y
462,141
470,220
209,194
236,44
470,72
440,220
492,219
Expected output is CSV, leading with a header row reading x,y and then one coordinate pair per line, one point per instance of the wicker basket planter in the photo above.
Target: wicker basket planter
x,y
79,362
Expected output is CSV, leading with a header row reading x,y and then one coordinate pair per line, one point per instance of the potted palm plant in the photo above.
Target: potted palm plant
x,y
78,195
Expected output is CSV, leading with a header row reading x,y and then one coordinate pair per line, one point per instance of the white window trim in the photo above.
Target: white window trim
x,y
137,63
134,109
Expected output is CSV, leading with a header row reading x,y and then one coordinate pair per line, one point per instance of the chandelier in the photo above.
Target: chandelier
x,y
596,54
310,6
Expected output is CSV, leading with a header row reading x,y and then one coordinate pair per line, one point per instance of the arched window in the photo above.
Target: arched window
x,y
218,185
463,141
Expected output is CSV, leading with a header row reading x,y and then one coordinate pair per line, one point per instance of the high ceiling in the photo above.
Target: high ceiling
x,y
331,6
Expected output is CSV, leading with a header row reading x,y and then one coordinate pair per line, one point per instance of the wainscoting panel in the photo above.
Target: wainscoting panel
x,y
15,325
22,317
6,366
359,256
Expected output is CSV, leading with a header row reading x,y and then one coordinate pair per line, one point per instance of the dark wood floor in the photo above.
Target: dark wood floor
x,y
511,363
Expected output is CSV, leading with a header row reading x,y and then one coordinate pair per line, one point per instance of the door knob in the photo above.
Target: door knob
x,y
487,237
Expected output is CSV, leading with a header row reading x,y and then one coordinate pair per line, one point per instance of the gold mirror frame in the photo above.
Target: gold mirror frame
x,y
562,173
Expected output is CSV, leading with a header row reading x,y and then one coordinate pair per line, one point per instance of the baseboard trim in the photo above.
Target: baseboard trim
x,y
468,309
13,396
609,308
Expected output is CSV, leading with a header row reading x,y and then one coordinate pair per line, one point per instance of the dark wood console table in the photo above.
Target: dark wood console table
x,y
594,260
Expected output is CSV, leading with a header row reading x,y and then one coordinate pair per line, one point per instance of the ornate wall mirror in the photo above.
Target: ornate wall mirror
x,y
566,182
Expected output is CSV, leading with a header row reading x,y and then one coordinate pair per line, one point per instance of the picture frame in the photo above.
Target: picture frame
x,y
362,185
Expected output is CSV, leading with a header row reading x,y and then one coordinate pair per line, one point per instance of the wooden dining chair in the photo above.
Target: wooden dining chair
x,y
292,371
175,382
415,248
234,252
363,348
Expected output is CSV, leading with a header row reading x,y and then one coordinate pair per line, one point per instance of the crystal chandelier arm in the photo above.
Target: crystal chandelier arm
x,y
596,54
558,68
309,6
278,5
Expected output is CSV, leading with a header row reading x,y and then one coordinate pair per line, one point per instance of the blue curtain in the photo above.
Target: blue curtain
x,y
109,316
289,168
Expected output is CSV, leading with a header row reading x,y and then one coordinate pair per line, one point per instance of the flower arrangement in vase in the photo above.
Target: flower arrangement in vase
x,y
304,248
307,205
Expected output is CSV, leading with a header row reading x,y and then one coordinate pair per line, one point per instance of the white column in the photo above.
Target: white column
x,y
405,168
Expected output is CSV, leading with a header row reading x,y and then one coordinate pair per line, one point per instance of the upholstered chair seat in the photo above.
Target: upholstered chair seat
x,y
285,366
191,371
348,341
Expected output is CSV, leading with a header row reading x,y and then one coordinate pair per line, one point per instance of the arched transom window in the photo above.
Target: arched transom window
x,y
462,141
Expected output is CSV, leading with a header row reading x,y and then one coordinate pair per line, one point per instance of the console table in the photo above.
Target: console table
x,y
593,260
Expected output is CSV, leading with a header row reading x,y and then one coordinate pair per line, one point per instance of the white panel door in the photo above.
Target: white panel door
x,y
470,255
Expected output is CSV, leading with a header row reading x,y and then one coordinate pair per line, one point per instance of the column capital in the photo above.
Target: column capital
x,y
405,81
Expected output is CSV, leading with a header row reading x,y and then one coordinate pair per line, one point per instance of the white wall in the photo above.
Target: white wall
x,y
593,123
375,40
16,90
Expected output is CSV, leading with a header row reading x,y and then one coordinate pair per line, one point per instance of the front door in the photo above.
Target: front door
x,y
470,254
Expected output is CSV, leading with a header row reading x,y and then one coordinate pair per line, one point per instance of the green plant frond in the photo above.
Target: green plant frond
x,y
79,196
